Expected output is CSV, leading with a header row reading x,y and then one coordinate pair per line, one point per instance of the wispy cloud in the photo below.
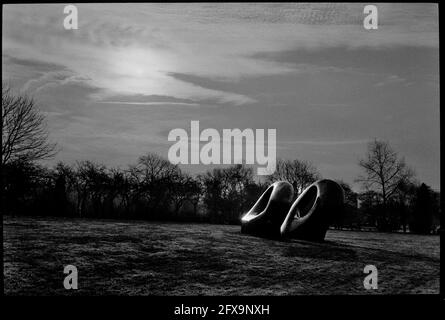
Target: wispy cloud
x,y
152,103
217,41
331,105
51,79
324,142
390,80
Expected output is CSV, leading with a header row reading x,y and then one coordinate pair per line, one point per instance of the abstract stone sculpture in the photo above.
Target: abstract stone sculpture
x,y
313,211
267,214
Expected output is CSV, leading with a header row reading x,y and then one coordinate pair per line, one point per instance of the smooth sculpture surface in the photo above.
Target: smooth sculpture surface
x,y
267,214
308,218
313,211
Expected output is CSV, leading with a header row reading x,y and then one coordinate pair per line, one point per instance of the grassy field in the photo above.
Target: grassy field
x,y
143,258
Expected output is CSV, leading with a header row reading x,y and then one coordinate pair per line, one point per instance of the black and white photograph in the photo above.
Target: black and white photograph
x,y
220,149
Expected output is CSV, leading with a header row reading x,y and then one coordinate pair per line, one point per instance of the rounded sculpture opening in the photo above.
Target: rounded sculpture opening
x,y
307,202
263,202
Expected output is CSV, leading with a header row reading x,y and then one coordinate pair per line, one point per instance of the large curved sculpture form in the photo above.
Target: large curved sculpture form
x,y
267,214
313,211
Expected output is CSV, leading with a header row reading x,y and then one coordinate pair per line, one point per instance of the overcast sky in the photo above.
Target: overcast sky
x,y
113,89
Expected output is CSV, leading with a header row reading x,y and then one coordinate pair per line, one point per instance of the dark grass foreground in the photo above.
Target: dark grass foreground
x,y
142,258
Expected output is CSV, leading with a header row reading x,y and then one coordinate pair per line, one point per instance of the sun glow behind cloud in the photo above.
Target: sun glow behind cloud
x,y
134,62
135,70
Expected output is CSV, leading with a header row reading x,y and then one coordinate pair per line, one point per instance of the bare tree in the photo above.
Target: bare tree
x,y
24,134
225,192
184,188
385,172
153,176
297,172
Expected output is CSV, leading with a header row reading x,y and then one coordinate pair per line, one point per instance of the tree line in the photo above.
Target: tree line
x,y
155,189
152,189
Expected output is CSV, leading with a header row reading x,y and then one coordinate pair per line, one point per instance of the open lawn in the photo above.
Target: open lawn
x,y
146,258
